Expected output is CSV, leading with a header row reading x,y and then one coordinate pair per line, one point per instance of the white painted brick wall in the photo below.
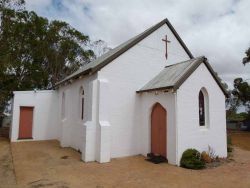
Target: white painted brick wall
x,y
45,114
147,101
72,127
127,74
116,119
190,134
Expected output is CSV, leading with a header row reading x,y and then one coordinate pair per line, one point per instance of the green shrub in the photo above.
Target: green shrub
x,y
191,158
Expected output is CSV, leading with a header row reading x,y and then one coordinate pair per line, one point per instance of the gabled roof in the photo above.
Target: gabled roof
x,y
173,76
106,58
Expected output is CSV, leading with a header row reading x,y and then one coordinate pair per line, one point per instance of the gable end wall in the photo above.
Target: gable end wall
x,y
127,74
189,133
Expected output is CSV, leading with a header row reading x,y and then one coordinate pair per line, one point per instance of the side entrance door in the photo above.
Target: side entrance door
x,y
159,130
25,123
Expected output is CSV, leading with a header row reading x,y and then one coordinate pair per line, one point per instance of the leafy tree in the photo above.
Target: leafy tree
x,y
246,59
242,93
14,4
34,52
233,116
100,47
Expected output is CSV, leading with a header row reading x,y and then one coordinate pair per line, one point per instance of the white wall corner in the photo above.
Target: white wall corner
x,y
104,154
65,136
103,130
177,162
89,127
89,141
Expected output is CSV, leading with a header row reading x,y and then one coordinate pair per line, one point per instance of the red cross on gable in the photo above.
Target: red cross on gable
x,y
166,42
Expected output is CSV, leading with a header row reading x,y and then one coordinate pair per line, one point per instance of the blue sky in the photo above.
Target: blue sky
x,y
218,29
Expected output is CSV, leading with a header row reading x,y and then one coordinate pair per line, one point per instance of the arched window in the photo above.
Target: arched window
x,y
203,108
81,103
63,106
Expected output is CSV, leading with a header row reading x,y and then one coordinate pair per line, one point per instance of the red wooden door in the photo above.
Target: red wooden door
x,y
158,130
25,124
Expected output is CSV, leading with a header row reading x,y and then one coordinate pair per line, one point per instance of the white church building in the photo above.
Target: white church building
x,y
148,95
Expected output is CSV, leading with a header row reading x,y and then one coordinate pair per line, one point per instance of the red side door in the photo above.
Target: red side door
x,y
25,124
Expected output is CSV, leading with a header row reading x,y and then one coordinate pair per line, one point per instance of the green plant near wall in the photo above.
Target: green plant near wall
x,y
191,159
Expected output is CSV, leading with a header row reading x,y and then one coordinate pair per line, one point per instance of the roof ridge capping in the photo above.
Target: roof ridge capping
x,y
108,57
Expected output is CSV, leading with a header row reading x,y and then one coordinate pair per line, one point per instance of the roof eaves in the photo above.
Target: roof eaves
x,y
155,89
87,71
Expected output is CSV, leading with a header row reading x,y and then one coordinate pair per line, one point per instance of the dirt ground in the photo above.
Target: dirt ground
x,y
241,139
7,176
45,164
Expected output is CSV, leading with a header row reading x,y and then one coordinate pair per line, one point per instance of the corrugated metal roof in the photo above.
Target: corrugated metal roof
x,y
170,75
114,53
94,64
174,75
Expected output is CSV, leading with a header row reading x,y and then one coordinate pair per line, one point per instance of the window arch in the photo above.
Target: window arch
x,y
81,103
203,108
63,106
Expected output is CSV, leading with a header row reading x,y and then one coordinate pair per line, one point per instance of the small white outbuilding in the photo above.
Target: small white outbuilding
x,y
148,95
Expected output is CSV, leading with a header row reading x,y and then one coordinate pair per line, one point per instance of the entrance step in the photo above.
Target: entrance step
x,y
156,159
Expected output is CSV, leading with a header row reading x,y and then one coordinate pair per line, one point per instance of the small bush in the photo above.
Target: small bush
x,y
191,159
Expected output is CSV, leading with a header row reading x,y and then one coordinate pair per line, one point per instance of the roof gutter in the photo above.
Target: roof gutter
x,y
155,89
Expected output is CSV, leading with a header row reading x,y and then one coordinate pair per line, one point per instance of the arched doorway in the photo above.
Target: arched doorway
x,y
159,130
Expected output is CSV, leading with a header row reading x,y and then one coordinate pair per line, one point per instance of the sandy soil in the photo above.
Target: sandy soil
x,y
241,139
7,175
45,164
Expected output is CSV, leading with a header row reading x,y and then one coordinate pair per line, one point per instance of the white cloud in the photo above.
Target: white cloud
x,y
219,29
